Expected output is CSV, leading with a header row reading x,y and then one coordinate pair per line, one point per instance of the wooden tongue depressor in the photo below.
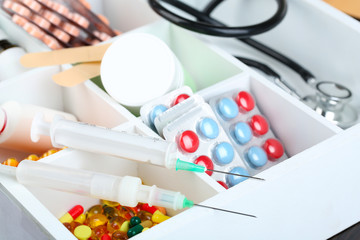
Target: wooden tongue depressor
x,y
77,74
63,56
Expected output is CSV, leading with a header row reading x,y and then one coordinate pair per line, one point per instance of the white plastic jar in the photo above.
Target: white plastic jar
x,y
139,67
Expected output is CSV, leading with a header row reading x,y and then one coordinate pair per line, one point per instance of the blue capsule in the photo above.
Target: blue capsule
x,y
256,157
228,108
157,110
224,153
242,133
209,128
232,180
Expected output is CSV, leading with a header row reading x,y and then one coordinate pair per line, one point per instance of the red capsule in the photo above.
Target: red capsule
x,y
223,184
259,125
147,208
180,98
273,148
189,141
245,101
206,162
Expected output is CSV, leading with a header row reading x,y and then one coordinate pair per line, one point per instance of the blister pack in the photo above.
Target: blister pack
x,y
201,140
248,130
151,110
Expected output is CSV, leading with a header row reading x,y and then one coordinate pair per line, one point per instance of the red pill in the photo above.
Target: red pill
x,y
223,184
245,101
105,237
147,208
189,141
206,162
259,125
273,148
180,98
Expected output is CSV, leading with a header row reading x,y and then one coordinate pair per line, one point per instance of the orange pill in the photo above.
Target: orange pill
x,y
7,4
71,29
52,17
41,22
21,10
61,35
11,162
35,6
51,43
33,157
33,30
19,20
94,42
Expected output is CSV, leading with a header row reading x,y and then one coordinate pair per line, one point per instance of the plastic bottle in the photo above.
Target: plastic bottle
x,y
15,126
10,58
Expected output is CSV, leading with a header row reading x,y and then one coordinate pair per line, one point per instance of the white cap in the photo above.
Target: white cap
x,y
3,35
139,67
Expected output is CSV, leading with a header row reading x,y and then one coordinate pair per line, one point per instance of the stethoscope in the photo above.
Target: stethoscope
x,y
330,100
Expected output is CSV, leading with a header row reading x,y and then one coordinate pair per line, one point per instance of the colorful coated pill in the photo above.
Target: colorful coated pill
x,y
224,153
209,128
232,180
150,209
105,237
256,157
273,148
228,108
72,214
80,219
156,111
180,98
41,22
189,141
158,217
82,232
223,184
34,30
35,6
245,101
139,228
19,20
206,162
259,125
134,221
242,133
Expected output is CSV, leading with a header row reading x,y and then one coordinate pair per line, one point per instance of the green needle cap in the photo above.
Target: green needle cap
x,y
188,166
187,203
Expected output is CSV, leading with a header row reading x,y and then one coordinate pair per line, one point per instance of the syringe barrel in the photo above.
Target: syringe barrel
x,y
127,190
98,185
96,139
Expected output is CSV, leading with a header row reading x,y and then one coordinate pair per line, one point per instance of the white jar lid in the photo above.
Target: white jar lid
x,y
139,67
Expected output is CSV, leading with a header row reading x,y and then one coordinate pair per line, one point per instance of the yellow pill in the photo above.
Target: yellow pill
x,y
125,226
158,217
52,151
80,219
82,232
145,229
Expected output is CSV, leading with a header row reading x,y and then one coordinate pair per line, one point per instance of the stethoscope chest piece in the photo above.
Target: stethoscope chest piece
x,y
332,101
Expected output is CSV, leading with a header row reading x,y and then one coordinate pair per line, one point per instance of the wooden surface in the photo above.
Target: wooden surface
x,y
351,7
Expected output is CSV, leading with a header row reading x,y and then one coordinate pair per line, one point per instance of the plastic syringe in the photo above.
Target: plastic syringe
x,y
127,190
102,140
